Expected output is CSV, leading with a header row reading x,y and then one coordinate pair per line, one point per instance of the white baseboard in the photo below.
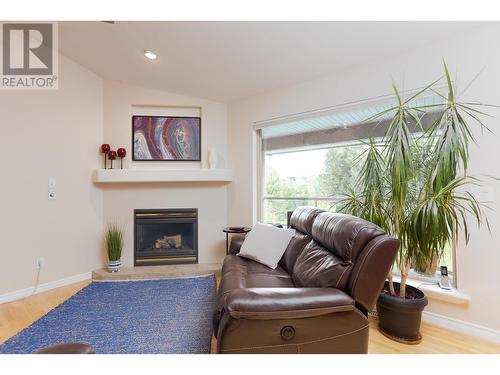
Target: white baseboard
x,y
23,293
461,326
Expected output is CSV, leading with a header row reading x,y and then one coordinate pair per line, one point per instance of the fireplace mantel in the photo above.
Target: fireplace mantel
x,y
161,175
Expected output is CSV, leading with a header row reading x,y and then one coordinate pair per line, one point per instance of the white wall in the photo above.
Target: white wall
x,y
479,262
210,198
50,134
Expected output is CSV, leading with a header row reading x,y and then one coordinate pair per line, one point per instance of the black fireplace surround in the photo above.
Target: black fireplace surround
x,y
165,236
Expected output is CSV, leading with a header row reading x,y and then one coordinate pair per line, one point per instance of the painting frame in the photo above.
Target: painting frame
x,y
198,140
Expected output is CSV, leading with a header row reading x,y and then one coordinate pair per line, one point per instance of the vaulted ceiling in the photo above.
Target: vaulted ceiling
x,y
227,61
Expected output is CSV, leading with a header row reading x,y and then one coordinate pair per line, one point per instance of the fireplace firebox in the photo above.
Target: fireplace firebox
x,y
165,236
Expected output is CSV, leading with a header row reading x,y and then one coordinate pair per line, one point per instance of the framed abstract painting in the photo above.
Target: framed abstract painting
x,y
166,138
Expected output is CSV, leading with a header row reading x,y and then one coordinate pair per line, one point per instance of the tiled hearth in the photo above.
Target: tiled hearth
x,y
158,272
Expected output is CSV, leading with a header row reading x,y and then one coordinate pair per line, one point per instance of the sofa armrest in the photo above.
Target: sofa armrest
x,y
286,303
235,244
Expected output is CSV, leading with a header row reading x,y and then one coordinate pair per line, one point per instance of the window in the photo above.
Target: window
x,y
308,177
312,159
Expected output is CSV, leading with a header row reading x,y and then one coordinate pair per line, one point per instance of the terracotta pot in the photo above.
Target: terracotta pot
x,y
399,319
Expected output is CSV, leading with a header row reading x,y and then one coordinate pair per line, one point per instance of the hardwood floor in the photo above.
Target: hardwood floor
x,y
14,316
436,340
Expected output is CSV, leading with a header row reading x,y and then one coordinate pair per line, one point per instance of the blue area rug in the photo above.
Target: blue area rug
x,y
150,316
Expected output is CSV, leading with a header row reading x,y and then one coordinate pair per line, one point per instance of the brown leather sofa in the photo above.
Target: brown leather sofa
x,y
316,300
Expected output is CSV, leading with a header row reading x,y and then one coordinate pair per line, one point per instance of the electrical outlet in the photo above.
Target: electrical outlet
x,y
39,262
52,195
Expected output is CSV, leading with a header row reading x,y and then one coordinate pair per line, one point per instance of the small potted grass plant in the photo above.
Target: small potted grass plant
x,y
114,246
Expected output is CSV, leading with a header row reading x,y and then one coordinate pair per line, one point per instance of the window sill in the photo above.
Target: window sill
x,y
434,292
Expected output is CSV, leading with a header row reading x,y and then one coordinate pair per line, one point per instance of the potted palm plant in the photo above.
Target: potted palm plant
x,y
413,184
114,246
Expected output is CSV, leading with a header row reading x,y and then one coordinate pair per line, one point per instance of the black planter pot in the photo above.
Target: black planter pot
x,y
398,318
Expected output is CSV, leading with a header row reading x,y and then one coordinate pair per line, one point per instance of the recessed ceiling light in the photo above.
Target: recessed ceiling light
x,y
150,55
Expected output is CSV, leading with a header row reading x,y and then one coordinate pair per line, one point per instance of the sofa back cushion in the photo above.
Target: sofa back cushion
x,y
303,218
344,235
316,267
337,241
293,250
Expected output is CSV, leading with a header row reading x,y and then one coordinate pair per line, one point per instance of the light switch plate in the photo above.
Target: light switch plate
x,y
52,195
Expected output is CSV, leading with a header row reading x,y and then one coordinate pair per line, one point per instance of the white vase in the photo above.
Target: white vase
x,y
114,265
212,158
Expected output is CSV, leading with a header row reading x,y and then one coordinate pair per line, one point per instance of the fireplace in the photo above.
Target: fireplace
x,y
166,236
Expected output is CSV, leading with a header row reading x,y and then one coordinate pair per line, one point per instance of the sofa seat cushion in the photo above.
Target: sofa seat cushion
x,y
233,263
237,280
240,273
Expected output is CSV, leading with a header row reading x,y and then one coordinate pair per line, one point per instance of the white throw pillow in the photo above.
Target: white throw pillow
x,y
266,244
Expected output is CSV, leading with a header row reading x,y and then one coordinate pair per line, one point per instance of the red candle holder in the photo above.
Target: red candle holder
x,y
121,153
105,148
112,156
